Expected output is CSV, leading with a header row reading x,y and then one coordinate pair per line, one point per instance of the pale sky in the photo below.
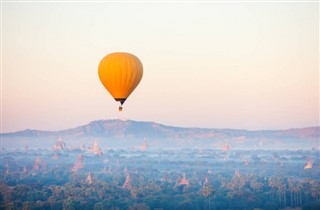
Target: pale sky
x,y
252,65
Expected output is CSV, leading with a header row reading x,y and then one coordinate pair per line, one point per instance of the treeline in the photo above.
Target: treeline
x,y
152,189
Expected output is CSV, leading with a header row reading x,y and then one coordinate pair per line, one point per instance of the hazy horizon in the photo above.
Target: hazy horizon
x,y
171,125
245,65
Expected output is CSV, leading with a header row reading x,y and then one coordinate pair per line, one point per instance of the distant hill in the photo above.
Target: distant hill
x,y
154,132
130,128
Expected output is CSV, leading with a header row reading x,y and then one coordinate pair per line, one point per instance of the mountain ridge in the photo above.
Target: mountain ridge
x,y
130,128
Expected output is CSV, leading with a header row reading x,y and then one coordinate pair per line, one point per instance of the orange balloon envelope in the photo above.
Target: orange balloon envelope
x,y
120,73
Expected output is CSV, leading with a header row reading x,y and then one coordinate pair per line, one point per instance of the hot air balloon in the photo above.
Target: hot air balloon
x,y
120,73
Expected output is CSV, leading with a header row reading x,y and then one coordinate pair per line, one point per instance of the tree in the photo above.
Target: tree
x,y
139,206
70,204
206,192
